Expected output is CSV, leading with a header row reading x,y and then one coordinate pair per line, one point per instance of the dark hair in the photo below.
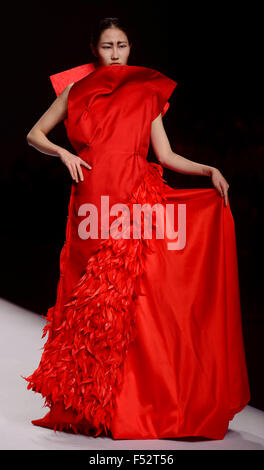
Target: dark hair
x,y
106,23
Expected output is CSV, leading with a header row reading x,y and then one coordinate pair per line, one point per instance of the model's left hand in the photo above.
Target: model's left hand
x,y
220,183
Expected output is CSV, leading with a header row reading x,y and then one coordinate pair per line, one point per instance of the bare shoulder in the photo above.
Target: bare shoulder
x,y
65,92
69,86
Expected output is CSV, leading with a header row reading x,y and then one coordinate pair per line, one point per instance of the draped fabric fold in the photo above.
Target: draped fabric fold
x,y
81,366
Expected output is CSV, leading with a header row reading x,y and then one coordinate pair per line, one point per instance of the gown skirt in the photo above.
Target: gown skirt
x,y
145,339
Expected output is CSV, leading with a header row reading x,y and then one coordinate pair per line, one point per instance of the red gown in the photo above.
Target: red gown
x,y
144,342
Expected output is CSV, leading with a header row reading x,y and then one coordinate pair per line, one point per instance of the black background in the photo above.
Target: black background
x,y
215,53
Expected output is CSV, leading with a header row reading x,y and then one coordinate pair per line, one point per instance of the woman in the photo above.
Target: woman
x,y
145,339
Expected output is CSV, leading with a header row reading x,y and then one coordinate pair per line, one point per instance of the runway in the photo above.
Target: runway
x,y
20,352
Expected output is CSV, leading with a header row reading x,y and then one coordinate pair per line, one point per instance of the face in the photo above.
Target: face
x,y
112,48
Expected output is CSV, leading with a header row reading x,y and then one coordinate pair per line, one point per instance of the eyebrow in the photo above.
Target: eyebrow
x,y
111,42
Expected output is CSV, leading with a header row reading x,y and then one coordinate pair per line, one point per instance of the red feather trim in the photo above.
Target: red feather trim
x,y
81,365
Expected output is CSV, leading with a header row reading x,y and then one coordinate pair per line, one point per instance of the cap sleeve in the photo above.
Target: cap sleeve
x,y
62,79
162,88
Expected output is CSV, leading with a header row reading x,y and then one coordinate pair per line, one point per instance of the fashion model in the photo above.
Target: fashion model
x,y
145,339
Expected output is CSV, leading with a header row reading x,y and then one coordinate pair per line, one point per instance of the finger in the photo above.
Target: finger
x,y
85,164
220,189
223,190
71,172
227,194
74,172
80,172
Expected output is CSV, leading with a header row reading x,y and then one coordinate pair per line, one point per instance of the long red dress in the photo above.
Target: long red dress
x,y
145,339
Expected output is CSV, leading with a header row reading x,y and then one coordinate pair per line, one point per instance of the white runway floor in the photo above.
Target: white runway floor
x,y
20,353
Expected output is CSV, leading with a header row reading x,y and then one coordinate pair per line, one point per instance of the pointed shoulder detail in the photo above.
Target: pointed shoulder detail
x,y
62,79
163,88
109,76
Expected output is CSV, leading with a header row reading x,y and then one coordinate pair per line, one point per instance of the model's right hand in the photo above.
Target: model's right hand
x,y
73,163
37,136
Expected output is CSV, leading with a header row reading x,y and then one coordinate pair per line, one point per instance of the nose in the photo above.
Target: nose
x,y
115,53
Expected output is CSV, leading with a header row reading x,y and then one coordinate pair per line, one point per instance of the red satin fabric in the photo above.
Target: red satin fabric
x,y
144,342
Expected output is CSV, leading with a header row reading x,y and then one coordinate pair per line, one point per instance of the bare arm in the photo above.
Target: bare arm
x,y
36,137
56,113
173,161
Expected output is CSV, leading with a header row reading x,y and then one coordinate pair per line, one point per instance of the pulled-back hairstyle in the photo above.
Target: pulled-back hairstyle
x,y
106,23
